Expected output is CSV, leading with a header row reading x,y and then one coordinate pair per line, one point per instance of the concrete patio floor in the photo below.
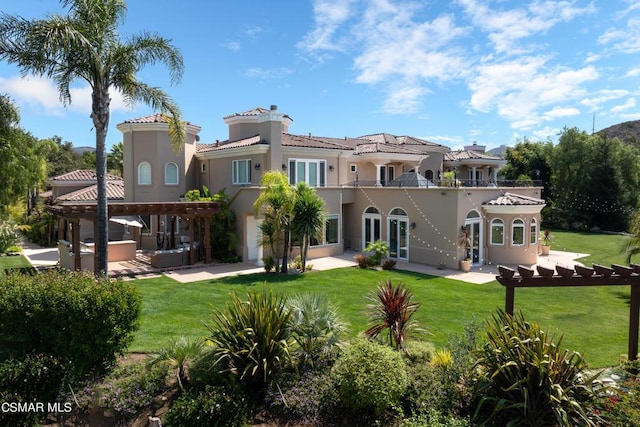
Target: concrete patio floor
x,y
48,257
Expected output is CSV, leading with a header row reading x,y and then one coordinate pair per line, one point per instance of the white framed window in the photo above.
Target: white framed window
x,y
313,172
517,232
331,233
171,174
203,167
144,173
497,231
353,168
241,171
533,232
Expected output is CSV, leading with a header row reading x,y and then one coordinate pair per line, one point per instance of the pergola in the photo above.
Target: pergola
x,y
187,210
616,275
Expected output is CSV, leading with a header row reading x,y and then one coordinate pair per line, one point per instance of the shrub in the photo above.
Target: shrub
x,y
307,400
379,249
389,264
8,236
252,339
392,309
442,358
361,260
526,379
419,351
70,316
369,377
316,327
433,388
177,355
269,263
622,408
130,388
35,378
213,407
434,418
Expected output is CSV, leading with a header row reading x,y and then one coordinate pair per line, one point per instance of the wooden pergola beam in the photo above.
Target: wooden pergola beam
x,y
617,275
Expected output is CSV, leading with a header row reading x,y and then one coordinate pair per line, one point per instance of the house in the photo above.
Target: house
x,y
378,186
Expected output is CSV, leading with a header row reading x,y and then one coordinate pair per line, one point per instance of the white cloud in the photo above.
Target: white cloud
x,y
232,46
625,40
329,15
508,27
592,57
404,99
546,133
630,103
267,74
559,112
634,72
594,103
42,95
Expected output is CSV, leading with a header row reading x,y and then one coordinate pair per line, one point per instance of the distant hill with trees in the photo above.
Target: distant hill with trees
x,y
628,132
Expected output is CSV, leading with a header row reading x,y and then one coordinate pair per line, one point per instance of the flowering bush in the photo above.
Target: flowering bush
x,y
8,236
213,407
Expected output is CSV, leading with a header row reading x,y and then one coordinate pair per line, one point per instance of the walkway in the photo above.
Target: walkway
x,y
48,257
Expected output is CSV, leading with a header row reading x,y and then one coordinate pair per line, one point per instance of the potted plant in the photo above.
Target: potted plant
x,y
465,242
546,242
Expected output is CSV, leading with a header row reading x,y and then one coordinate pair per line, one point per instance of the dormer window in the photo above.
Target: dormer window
x,y
144,173
171,174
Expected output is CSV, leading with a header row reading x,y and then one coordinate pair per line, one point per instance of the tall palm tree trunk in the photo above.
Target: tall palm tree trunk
x,y
100,116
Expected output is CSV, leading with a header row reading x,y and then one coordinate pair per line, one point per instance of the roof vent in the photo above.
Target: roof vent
x,y
274,107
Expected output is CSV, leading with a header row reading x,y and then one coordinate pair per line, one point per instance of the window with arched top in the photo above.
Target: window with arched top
x,y
517,232
428,174
371,210
497,232
473,214
533,232
398,212
171,174
144,173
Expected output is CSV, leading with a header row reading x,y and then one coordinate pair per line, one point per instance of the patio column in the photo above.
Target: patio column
x,y
207,240
75,243
192,255
474,172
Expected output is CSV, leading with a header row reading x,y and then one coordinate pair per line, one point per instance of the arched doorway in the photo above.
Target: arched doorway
x,y
473,225
371,226
398,234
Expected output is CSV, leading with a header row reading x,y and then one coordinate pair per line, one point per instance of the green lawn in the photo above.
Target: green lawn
x,y
12,262
593,320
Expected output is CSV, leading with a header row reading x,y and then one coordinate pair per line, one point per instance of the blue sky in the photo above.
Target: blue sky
x,y
451,72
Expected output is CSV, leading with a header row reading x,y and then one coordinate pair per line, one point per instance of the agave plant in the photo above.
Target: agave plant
x,y
316,327
252,339
527,379
392,308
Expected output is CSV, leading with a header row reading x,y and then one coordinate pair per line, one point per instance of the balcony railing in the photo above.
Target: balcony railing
x,y
452,184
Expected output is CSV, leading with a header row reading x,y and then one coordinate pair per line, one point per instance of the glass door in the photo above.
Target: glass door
x,y
398,238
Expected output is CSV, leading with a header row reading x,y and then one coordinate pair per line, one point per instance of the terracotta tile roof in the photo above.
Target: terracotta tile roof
x,y
314,142
153,118
253,112
468,155
115,191
225,145
376,147
387,138
511,199
82,175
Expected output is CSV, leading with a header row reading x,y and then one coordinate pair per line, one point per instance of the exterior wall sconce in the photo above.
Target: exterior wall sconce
x,y
443,193
331,168
413,225
256,166
284,167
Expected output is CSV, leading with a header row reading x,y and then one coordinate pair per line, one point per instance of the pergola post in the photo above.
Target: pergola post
x,y
60,231
634,320
509,299
75,243
192,255
207,239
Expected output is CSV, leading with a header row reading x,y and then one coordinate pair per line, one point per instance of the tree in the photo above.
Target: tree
x,y
23,166
115,159
85,45
61,158
309,218
530,159
276,202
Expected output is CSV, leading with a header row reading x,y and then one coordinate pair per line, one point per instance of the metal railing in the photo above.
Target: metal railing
x,y
450,183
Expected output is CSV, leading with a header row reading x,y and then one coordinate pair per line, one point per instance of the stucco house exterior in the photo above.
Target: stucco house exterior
x,y
419,196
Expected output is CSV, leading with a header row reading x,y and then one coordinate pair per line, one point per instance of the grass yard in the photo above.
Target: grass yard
x,y
593,320
12,262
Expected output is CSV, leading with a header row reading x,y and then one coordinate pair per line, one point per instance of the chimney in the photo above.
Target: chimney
x,y
274,107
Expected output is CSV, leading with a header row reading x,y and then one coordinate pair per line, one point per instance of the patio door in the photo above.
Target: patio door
x,y
254,249
473,225
371,222
398,234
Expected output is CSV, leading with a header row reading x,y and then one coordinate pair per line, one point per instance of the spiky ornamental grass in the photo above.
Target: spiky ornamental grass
x,y
526,379
252,338
392,307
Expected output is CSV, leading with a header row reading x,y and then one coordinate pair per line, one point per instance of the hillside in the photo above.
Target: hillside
x,y
627,131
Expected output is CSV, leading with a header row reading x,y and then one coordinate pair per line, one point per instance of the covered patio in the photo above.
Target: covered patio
x,y
196,214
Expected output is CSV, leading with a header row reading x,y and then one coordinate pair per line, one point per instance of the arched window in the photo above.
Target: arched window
x,y
497,231
371,226
428,174
398,234
171,174
517,232
398,212
533,230
144,173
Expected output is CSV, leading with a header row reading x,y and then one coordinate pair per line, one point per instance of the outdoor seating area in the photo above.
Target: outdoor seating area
x,y
170,258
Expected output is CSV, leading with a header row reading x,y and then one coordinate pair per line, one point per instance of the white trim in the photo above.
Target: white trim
x,y
144,162
177,174
512,209
234,152
491,224
524,232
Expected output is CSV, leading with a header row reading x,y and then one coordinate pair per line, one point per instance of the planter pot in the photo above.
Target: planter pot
x,y
545,249
465,265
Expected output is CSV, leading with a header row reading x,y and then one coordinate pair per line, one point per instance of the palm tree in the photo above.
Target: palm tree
x,y
309,218
115,159
85,45
277,202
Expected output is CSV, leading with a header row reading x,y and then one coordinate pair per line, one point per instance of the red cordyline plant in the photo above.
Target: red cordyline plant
x,y
392,308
